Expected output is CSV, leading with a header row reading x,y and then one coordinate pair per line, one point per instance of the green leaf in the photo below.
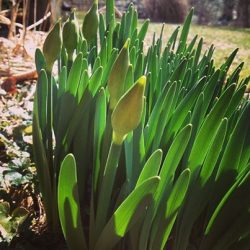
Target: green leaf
x,y
174,203
167,172
69,206
103,52
19,215
172,39
162,108
40,60
232,155
110,13
95,80
129,80
172,160
62,81
97,64
196,120
128,21
214,152
236,99
185,31
99,127
208,130
42,166
134,21
228,210
186,104
165,114
198,52
245,155
75,118
234,232
225,67
83,85
4,210
191,45
74,75
143,31
42,95
102,27
106,188
151,167
109,65
179,72
66,112
127,214
209,91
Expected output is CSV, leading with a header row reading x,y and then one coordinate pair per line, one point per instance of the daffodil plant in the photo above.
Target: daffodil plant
x,y
140,147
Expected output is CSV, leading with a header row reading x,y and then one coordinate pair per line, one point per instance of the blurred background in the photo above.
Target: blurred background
x,y
209,12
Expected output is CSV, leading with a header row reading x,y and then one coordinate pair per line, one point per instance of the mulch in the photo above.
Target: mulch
x,y
16,58
17,170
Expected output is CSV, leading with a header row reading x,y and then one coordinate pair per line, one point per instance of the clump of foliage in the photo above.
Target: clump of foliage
x,y
10,221
140,148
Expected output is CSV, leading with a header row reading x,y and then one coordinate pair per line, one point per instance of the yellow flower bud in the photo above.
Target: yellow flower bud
x,y
118,75
70,34
90,23
128,111
52,45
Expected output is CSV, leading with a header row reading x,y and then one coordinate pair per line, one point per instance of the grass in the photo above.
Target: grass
x,y
225,40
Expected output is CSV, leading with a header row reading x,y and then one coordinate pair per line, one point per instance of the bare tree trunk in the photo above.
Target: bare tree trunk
x,y
26,4
55,10
243,13
173,11
41,10
37,11
150,7
14,12
35,14
228,6
202,13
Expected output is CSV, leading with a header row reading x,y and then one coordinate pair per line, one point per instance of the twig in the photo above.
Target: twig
x,y
14,10
7,21
45,14
25,16
9,84
40,21
55,10
4,20
35,14
4,12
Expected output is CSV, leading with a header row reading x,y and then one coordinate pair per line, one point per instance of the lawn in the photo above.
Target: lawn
x,y
225,40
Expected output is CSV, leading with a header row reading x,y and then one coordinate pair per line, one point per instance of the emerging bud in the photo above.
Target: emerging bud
x,y
52,45
128,111
70,34
118,75
90,23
